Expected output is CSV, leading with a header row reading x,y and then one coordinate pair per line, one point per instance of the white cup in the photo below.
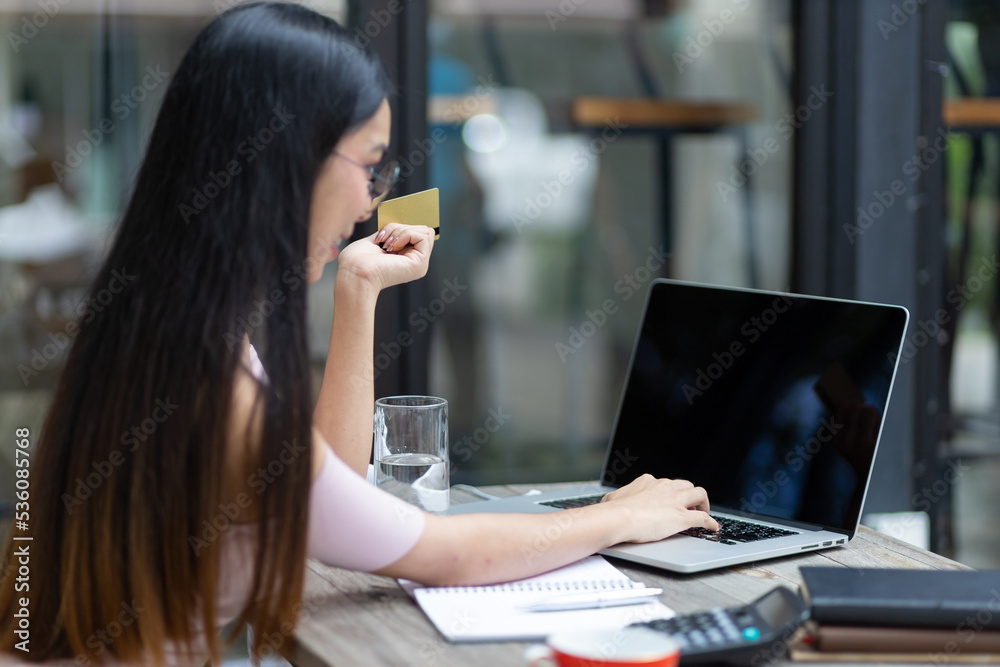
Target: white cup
x,y
628,647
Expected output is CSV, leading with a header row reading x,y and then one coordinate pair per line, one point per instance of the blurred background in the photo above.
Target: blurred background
x,y
583,148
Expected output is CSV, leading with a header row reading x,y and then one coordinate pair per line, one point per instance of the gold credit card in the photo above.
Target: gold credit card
x,y
420,208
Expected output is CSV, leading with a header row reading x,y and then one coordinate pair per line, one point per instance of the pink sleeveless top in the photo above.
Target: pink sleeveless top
x,y
352,524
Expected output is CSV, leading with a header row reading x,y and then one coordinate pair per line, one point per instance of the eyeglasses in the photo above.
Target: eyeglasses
x,y
380,178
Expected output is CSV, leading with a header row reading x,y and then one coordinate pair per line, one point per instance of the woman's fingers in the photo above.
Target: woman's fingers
x,y
704,520
698,498
394,237
395,254
647,482
695,499
668,505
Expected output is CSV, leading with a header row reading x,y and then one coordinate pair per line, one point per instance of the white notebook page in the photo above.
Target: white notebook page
x,y
492,613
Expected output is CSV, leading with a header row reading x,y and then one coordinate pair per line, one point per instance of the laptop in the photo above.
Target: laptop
x,y
773,402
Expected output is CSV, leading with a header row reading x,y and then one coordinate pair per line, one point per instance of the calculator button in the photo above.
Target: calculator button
x,y
714,636
751,633
725,622
697,636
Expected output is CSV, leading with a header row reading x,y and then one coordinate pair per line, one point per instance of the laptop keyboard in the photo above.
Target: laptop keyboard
x,y
735,531
579,501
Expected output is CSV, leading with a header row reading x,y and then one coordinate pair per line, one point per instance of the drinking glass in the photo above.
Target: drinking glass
x,y
411,450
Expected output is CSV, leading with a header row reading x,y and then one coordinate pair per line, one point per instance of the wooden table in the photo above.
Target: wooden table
x,y
960,113
351,618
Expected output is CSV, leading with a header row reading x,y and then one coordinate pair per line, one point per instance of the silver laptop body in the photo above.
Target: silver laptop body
x,y
773,402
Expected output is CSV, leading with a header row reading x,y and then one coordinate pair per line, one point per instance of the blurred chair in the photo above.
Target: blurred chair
x,y
47,255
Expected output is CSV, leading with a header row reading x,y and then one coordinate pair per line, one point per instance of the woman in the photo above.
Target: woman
x,y
183,476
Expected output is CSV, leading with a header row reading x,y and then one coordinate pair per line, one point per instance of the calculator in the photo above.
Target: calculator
x,y
752,634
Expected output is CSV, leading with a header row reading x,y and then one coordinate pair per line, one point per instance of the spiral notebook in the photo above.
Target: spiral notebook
x,y
493,613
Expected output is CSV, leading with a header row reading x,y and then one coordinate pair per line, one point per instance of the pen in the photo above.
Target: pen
x,y
593,601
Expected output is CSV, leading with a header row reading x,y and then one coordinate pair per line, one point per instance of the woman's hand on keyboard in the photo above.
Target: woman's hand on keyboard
x,y
662,507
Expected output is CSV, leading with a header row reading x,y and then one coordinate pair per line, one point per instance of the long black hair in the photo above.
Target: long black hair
x,y
212,245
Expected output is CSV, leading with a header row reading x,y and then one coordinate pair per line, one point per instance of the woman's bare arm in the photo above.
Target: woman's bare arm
x,y
488,548
346,400
346,403
471,548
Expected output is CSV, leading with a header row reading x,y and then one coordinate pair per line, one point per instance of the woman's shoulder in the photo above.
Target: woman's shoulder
x,y
252,360
246,426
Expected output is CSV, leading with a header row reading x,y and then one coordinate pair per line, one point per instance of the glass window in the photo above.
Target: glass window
x,y
590,149
972,112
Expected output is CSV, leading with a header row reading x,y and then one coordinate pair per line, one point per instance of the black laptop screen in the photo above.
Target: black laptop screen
x,y
771,402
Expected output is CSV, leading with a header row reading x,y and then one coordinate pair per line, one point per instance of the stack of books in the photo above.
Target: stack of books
x,y
901,615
